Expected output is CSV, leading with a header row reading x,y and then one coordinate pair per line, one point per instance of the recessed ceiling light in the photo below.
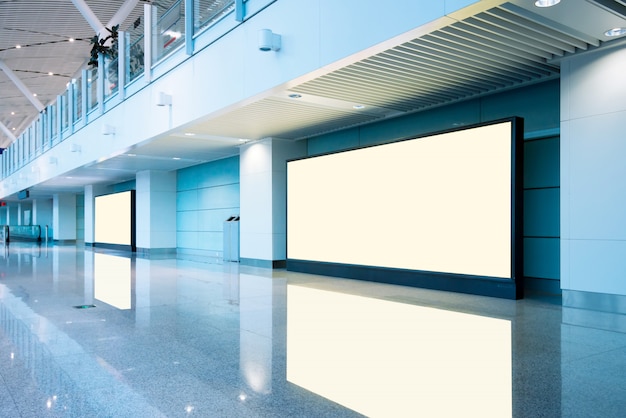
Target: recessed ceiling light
x,y
18,46
295,96
50,73
132,155
175,158
13,113
71,39
34,94
189,134
358,106
546,3
615,32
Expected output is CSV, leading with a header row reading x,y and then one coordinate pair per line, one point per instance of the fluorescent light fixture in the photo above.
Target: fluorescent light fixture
x,y
615,32
546,3
189,134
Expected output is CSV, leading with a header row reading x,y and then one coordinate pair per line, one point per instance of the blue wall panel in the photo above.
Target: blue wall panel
x,y
542,212
542,163
207,195
541,258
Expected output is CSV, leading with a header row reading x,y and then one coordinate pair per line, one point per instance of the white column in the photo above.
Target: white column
x,y
593,195
33,213
156,211
64,217
90,194
263,200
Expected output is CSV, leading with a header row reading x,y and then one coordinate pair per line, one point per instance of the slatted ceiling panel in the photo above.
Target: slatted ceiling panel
x,y
569,43
498,49
478,70
499,58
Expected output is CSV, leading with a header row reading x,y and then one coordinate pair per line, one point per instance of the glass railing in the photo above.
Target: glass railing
x,y
208,12
134,57
170,29
77,86
92,89
111,77
67,115
23,232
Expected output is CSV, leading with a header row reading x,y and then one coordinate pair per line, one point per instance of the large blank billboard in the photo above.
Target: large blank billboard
x,y
444,204
114,219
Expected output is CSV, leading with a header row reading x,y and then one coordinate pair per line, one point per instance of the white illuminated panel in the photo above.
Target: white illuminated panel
x,y
112,280
384,359
440,203
113,219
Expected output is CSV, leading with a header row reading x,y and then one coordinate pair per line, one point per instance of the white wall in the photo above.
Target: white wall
x,y
64,216
156,210
593,169
316,38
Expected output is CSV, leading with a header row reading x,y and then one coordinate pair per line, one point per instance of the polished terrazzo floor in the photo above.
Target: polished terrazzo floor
x,y
91,334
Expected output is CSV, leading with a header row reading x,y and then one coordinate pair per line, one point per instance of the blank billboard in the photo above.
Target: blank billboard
x,y
114,219
443,203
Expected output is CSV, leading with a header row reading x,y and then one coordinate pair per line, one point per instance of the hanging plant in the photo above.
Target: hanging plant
x,y
106,46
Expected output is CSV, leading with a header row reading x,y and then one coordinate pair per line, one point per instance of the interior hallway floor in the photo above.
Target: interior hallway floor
x,y
87,333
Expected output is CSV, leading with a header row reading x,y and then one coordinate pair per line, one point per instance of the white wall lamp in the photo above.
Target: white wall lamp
x,y
269,41
164,99
53,160
108,129
74,148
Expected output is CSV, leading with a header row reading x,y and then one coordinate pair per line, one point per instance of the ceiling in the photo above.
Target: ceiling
x,y
508,46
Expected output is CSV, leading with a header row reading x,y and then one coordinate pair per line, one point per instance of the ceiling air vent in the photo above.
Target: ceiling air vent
x,y
617,7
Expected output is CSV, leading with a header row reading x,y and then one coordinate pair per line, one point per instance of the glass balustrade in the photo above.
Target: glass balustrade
x,y
63,117
208,12
170,27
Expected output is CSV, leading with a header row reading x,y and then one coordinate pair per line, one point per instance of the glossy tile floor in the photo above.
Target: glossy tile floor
x,y
92,334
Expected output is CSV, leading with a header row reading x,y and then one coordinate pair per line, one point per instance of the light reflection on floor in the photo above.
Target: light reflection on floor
x,y
174,338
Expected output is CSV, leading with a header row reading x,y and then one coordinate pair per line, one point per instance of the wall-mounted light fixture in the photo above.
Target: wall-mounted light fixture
x,y
52,160
74,148
164,99
269,41
108,129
